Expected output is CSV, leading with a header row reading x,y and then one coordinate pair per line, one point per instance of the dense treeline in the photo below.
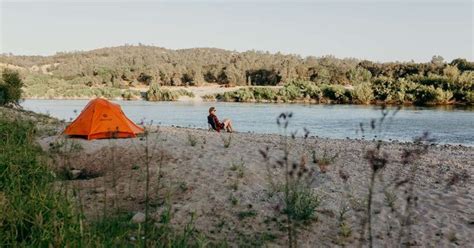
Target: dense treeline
x,y
128,66
364,93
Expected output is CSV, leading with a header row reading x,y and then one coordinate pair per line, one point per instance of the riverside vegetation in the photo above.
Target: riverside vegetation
x,y
133,72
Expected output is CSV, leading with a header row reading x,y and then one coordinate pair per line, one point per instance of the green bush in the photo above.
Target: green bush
x,y
359,75
131,95
244,95
155,93
290,92
209,98
437,81
383,88
470,98
426,94
227,96
299,91
262,94
314,92
302,202
337,93
307,89
443,96
10,88
363,93
464,87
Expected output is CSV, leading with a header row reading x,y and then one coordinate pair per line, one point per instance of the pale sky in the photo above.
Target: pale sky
x,y
399,30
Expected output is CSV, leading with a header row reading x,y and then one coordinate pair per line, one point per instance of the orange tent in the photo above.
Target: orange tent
x,y
102,119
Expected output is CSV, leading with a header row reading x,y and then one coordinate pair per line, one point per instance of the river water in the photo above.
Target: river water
x,y
448,125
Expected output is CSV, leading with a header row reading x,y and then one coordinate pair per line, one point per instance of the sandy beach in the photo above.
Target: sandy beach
x,y
228,190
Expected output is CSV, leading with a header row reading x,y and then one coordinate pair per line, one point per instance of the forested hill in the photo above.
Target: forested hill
x,y
187,66
128,66
198,65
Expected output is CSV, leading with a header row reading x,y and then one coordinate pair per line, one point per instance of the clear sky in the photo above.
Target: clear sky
x,y
399,30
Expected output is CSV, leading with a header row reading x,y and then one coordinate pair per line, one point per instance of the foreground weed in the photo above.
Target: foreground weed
x,y
238,167
378,161
324,160
192,139
292,182
147,151
345,230
390,199
246,214
410,158
233,200
226,140
183,186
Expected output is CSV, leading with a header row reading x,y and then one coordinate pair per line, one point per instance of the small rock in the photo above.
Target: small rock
x,y
75,174
138,218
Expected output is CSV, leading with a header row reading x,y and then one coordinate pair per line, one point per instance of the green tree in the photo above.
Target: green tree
x,y
451,72
437,60
359,75
10,88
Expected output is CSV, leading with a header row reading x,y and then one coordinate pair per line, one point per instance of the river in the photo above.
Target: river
x,y
448,125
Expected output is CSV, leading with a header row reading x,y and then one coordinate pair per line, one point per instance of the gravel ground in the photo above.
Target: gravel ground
x,y
202,180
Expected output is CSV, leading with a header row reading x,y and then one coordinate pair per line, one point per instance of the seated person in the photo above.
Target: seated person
x,y
215,124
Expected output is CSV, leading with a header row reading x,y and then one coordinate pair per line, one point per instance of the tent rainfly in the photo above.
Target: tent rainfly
x,y
102,119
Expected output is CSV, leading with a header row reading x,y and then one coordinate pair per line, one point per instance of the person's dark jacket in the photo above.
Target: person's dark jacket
x,y
214,122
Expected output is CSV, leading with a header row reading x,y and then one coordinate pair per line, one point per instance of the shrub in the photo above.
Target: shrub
x,y
10,88
363,93
314,92
227,96
382,88
405,92
302,202
226,140
437,81
130,95
183,92
470,97
290,92
425,94
154,93
337,93
244,95
464,86
209,98
192,139
359,75
307,89
264,94
443,97
451,71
